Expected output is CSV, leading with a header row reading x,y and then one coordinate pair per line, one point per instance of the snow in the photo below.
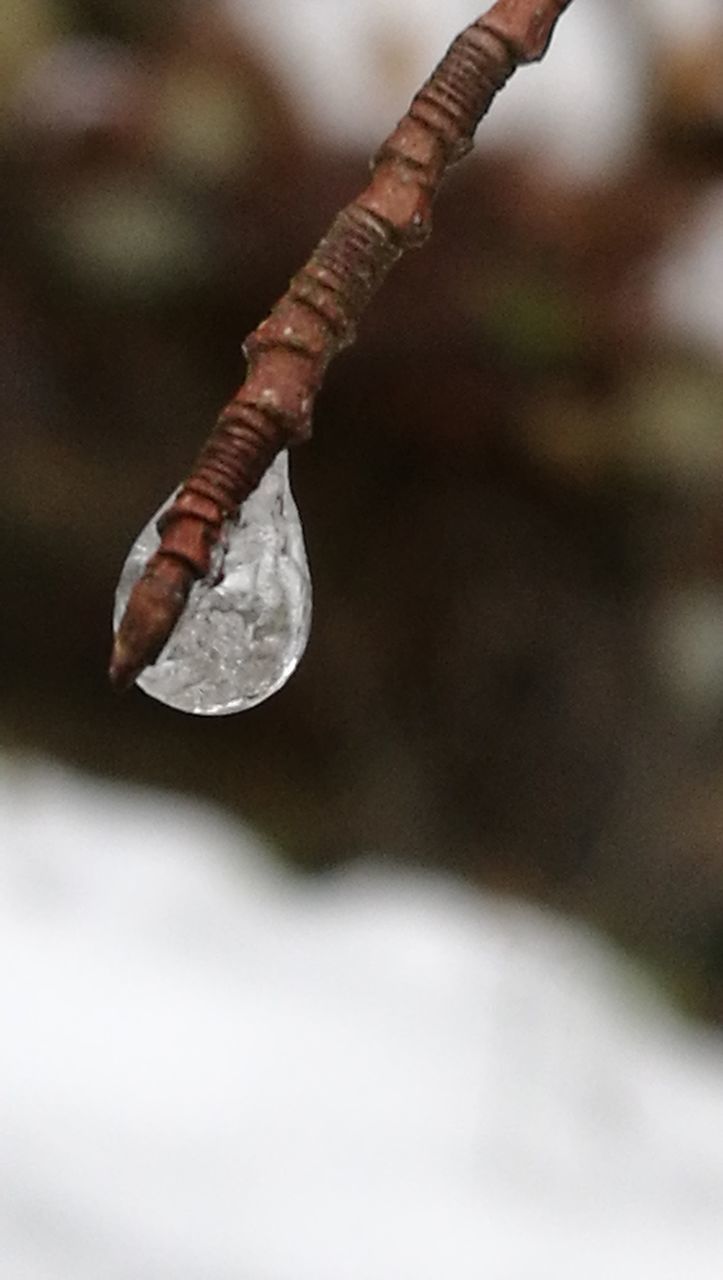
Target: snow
x,y
210,1068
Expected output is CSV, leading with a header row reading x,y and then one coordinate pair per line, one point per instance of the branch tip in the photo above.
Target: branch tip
x,y
289,353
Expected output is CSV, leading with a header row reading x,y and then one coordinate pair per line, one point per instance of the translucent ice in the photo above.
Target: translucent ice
x,y
244,629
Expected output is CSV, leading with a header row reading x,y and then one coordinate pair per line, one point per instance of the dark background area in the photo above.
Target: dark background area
x,y
511,501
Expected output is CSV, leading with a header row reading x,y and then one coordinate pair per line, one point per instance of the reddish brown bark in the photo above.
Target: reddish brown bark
x,y
289,352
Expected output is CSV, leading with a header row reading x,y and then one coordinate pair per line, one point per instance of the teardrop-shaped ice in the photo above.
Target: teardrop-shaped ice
x,y
244,629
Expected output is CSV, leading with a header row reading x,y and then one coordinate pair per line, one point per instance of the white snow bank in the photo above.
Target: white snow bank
x,y
210,1070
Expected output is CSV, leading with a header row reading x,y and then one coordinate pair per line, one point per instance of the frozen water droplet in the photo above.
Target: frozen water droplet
x,y
245,627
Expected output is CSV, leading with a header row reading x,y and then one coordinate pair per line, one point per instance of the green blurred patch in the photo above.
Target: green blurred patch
x,y
532,320
26,28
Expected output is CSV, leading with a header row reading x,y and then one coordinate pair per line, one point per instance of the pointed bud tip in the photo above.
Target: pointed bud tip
x,y
155,605
122,671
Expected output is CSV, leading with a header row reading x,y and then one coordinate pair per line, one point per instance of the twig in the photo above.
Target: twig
x,y
289,352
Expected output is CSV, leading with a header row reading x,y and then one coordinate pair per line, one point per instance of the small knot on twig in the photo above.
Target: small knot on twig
x,y
525,28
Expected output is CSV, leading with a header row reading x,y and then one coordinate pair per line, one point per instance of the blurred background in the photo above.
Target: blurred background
x,y
512,501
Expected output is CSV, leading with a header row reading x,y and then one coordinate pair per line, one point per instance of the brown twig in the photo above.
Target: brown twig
x,y
289,352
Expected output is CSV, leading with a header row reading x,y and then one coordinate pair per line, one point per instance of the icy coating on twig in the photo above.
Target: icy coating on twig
x,y
246,625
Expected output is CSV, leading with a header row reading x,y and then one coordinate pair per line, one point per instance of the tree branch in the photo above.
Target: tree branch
x,y
289,352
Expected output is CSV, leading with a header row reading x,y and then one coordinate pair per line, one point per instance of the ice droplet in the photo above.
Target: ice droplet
x,y
245,627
